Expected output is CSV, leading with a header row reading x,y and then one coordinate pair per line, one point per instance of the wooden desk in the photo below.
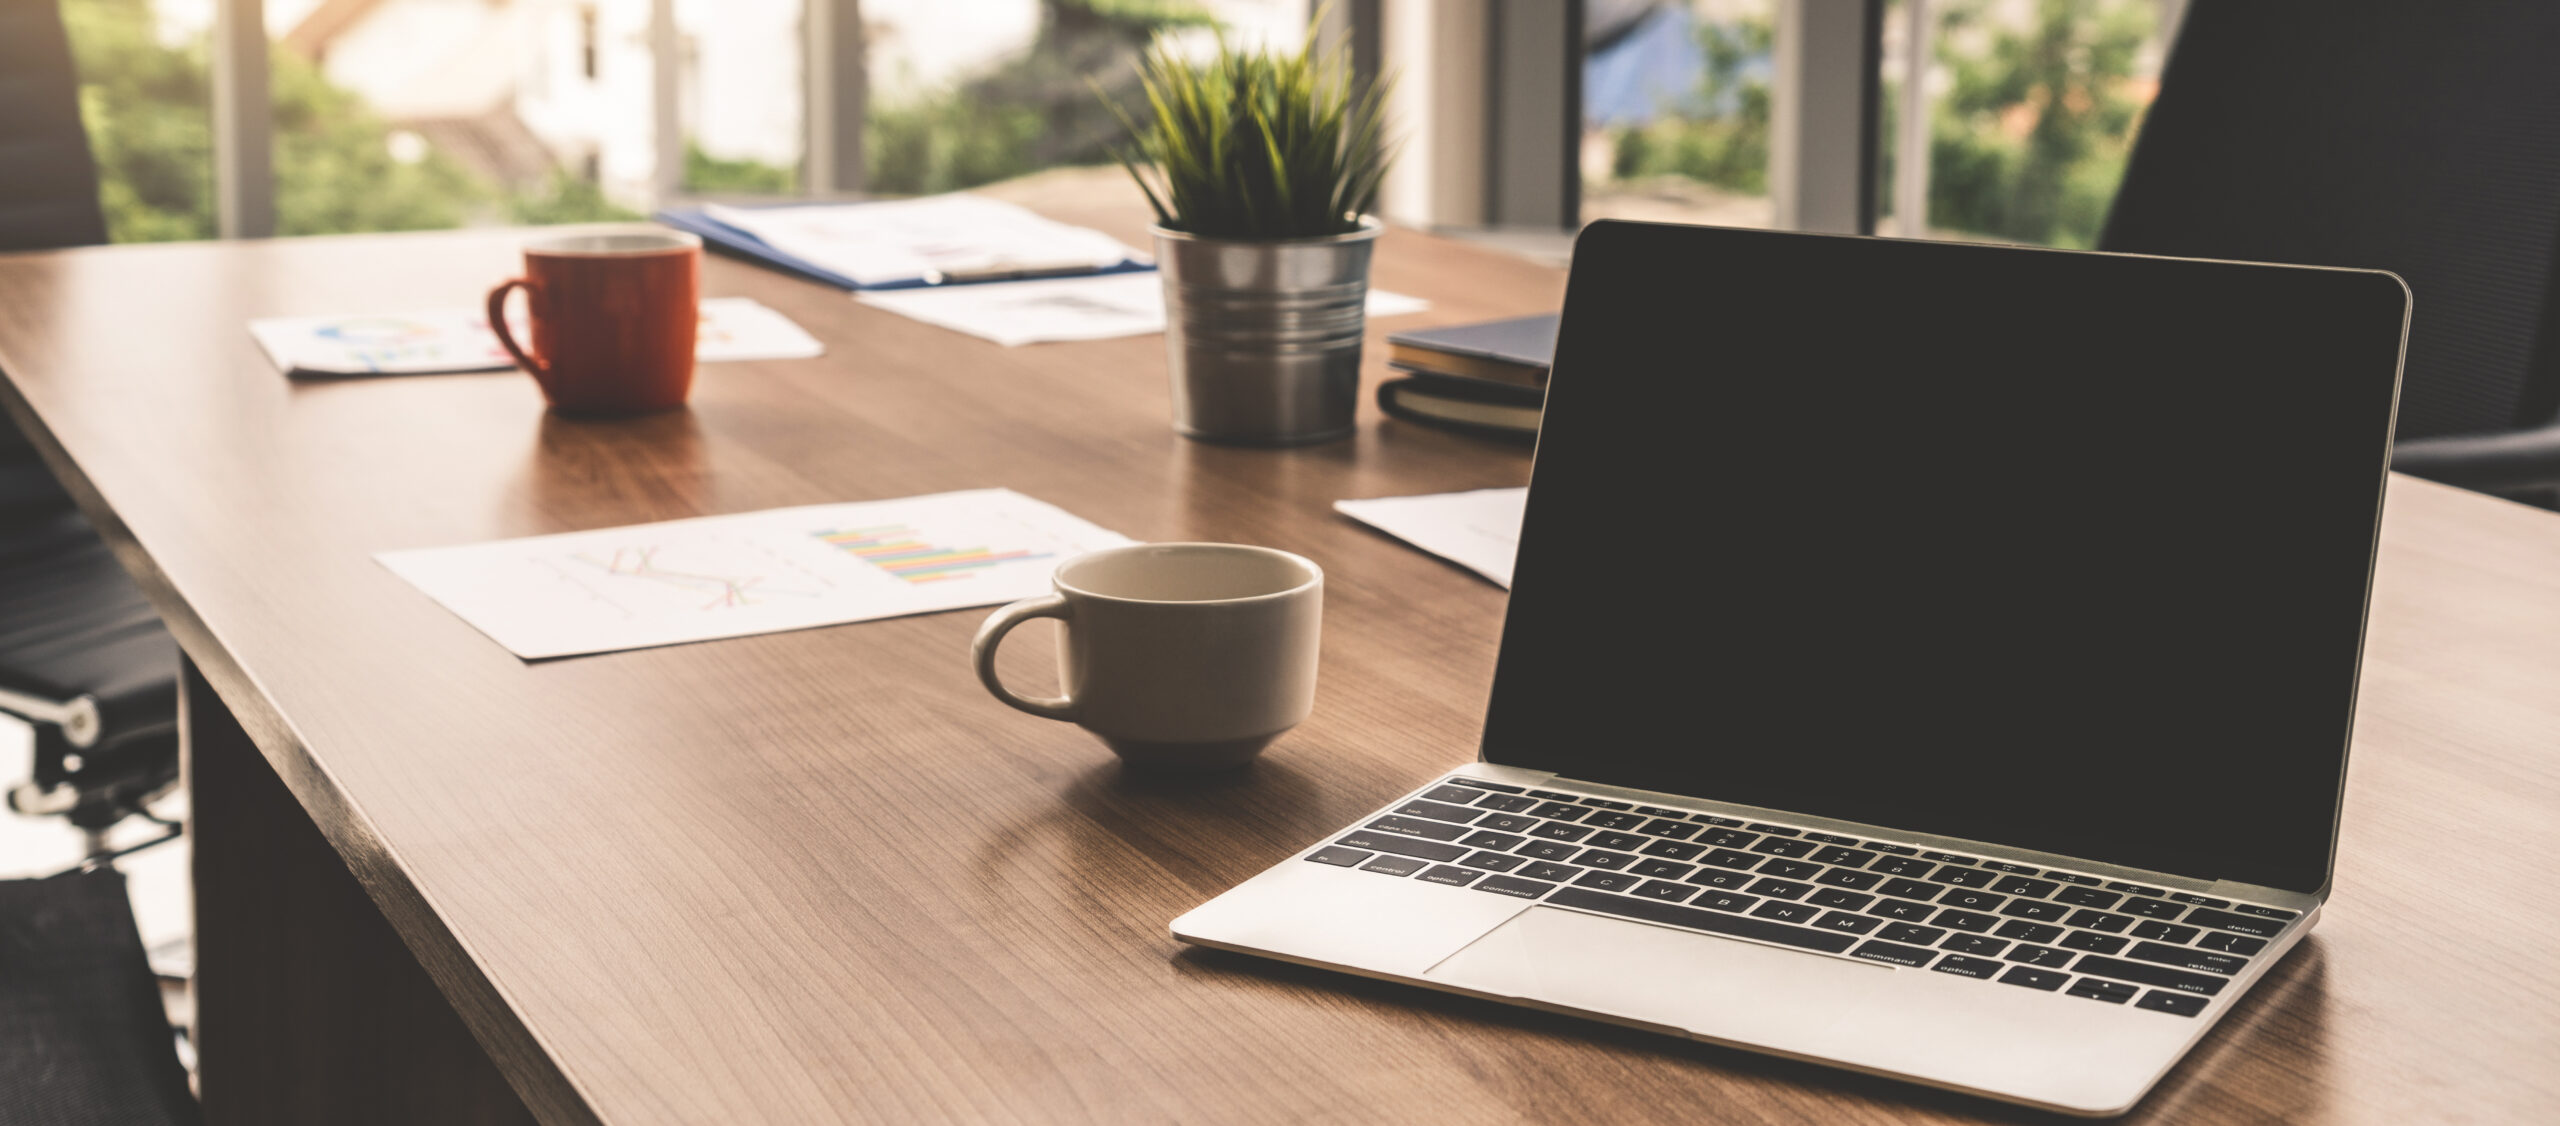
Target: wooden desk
x,y
821,876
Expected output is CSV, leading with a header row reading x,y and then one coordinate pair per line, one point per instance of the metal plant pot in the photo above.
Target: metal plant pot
x,y
1263,336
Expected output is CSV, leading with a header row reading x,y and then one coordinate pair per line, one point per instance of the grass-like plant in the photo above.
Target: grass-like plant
x,y
1256,144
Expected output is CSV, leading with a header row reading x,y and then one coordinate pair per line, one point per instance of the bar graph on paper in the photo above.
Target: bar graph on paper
x,y
907,554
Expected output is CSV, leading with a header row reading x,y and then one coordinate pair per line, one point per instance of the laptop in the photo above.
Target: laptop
x,y
1933,660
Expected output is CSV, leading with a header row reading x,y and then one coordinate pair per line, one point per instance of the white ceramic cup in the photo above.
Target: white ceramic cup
x,y
1187,656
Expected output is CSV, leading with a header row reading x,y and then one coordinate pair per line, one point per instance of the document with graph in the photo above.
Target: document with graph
x,y
756,572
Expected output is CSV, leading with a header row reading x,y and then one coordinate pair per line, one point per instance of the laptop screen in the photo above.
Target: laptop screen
x,y
2059,551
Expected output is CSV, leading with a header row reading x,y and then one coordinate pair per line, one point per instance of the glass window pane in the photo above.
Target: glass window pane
x,y
144,98
1675,108
2032,108
964,95
741,96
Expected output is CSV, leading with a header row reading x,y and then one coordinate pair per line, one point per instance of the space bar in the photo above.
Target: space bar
x,y
1672,914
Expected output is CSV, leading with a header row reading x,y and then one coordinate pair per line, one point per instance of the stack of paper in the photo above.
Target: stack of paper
x,y
938,239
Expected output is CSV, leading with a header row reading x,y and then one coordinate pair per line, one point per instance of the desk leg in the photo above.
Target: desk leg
x,y
308,1008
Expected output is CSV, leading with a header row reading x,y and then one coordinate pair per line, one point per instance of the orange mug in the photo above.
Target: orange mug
x,y
613,319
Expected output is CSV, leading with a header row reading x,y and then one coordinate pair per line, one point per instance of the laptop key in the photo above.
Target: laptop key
x,y
2146,973
1727,838
1514,887
1847,923
1725,900
1394,866
1721,878
1339,856
1605,803
1559,831
1499,842
2034,909
1712,819
1846,857
1416,827
1900,888
1783,846
1604,859
1623,842
1790,869
1402,846
2025,931
1906,932
2175,1004
1727,858
2069,878
2045,956
1543,870
1673,850
2087,897
1781,830
1605,881
1901,909
1786,912
1658,811
1451,875
1457,794
1831,838
1507,803
1949,857
2226,921
1481,784
1780,889
1963,877
1439,811
1835,897
1494,861
1962,966
1975,944
2199,900
2046,980
1676,830
1688,915
1971,900
2152,908
1895,849
2136,889
2229,943
2107,991
1849,878
1965,920
1551,795
1508,823
1609,820
2093,942
1894,952
2032,889
2101,921
1548,850
1665,890
2185,957
2276,913
2005,866
1662,869
1902,866
2159,931
1559,811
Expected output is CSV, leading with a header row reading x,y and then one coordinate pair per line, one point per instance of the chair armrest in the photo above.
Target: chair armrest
x,y
2513,460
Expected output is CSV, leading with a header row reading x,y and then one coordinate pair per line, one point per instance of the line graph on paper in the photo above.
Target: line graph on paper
x,y
706,575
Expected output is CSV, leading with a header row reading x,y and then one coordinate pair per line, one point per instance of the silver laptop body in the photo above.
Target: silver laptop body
x,y
2079,982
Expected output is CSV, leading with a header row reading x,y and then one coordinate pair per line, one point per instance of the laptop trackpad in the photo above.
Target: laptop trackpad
x,y
1718,987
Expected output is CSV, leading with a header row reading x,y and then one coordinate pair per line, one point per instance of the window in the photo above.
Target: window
x,y
1676,112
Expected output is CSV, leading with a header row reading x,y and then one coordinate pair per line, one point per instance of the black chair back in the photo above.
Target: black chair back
x,y
48,183
2422,138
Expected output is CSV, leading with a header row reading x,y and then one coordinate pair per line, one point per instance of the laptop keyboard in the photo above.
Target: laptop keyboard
x,y
2103,940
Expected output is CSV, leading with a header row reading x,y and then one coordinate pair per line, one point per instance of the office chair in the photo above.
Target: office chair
x,y
2418,138
81,656
83,1036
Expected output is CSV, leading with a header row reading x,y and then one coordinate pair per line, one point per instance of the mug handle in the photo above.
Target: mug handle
x,y
982,650
506,339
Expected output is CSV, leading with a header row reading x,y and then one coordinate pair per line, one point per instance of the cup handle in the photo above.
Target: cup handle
x,y
983,651
506,339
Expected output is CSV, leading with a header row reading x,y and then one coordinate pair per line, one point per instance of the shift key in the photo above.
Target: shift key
x,y
2147,973
2187,957
1402,846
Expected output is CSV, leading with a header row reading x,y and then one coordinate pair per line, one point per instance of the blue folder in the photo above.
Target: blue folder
x,y
739,243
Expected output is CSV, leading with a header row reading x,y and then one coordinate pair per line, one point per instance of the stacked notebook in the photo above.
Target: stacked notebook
x,y
1488,379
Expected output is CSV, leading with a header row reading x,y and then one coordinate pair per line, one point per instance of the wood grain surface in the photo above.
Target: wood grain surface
x,y
821,876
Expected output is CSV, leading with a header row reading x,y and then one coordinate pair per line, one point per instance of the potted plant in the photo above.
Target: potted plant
x,y
1262,168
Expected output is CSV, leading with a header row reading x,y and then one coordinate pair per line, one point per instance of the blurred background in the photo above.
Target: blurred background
x,y
1980,119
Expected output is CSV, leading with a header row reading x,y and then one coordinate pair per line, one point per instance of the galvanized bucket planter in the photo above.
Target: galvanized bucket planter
x,y
1263,335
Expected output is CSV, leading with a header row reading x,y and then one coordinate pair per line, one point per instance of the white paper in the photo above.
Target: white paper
x,y
930,238
1477,530
1052,309
438,341
757,572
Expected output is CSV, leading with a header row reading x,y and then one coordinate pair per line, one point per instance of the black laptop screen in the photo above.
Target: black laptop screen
x,y
2061,551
